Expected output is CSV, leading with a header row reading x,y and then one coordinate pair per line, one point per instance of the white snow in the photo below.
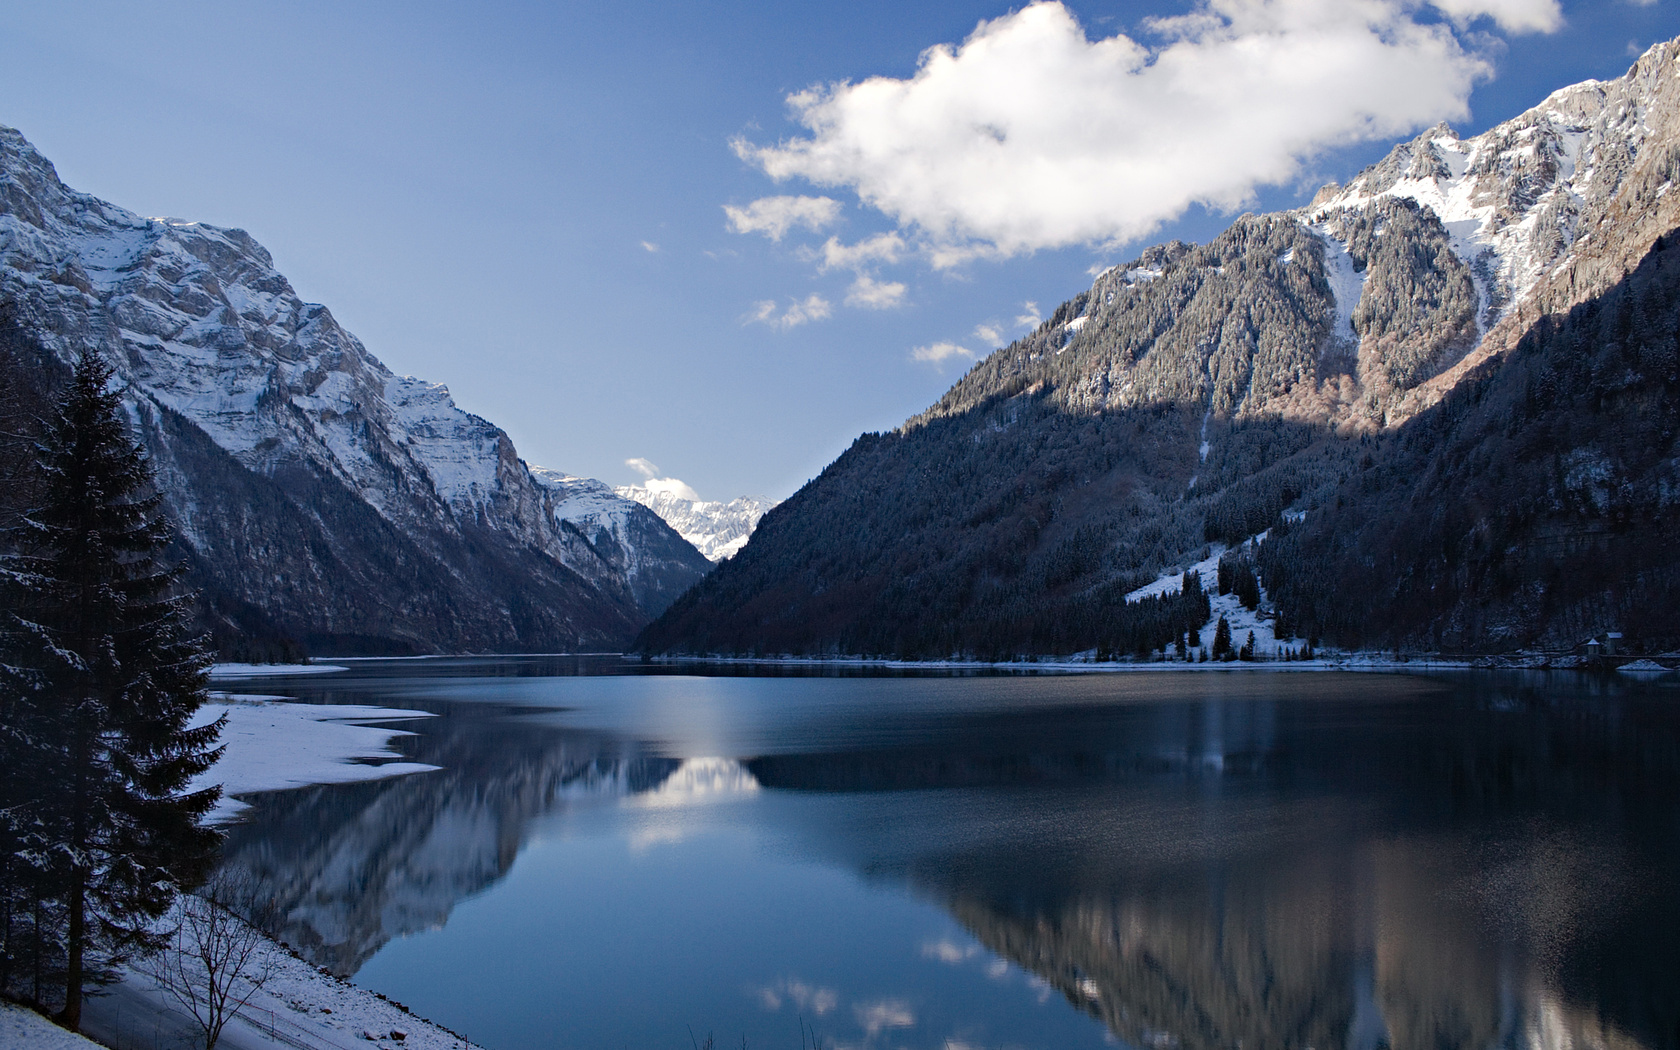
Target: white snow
x,y
20,1027
271,745
1242,621
718,529
1346,284
1643,669
231,670
298,1006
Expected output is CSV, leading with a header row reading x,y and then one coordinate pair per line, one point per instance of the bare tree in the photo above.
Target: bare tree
x,y
217,958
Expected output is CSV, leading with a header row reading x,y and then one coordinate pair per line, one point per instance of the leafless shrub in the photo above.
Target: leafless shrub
x,y
215,961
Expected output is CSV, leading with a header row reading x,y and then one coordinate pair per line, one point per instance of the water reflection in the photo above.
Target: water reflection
x,y
1195,862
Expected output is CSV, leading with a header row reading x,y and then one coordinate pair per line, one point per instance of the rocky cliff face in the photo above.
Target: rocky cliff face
x,y
316,493
1197,393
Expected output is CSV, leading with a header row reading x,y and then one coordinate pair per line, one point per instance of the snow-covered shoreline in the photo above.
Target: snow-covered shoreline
x,y
1338,662
230,671
270,744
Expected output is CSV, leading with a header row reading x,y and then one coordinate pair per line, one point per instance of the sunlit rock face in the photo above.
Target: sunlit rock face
x,y
318,494
1365,306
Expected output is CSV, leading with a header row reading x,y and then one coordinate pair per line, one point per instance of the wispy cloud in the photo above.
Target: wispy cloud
x,y
649,246
799,311
939,353
888,1013
873,294
881,248
775,216
1513,16
808,998
948,951
1030,135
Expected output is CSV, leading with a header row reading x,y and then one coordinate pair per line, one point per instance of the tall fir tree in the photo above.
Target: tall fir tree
x,y
100,678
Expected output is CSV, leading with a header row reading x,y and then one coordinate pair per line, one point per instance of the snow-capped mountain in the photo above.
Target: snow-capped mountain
x,y
318,494
716,528
1495,231
656,559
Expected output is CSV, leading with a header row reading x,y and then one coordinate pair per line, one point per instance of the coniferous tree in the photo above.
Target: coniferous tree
x,y
1222,639
100,678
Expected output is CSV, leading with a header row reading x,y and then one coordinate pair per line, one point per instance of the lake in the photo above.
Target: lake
x,y
621,856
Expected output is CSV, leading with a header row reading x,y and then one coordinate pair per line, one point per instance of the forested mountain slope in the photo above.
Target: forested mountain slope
x,y
1537,504
319,498
1197,393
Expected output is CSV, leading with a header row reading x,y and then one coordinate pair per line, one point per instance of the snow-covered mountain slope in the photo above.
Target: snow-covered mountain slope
x,y
717,528
1546,209
388,512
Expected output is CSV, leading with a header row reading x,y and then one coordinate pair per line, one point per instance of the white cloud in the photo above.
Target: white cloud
x,y
775,216
939,353
888,1013
654,483
1029,135
808,998
811,308
948,951
872,294
650,246
881,248
989,334
1513,16
1029,316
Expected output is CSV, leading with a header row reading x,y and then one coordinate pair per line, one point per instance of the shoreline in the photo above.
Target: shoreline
x,y
1347,662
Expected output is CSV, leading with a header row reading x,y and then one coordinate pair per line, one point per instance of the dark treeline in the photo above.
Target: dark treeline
x,y
100,676
1016,527
1537,504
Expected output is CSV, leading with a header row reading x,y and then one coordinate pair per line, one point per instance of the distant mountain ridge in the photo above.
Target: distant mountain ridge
x,y
1195,394
318,496
718,529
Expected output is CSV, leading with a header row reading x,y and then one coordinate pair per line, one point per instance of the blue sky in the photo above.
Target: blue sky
x,y
527,201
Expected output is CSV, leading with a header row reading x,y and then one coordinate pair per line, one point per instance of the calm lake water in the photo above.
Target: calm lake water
x,y
1240,859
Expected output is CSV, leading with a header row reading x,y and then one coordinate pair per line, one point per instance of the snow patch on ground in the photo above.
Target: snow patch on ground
x,y
21,1027
1242,621
271,745
298,1007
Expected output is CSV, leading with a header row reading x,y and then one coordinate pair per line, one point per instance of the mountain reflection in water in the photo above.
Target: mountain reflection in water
x,y
1195,861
